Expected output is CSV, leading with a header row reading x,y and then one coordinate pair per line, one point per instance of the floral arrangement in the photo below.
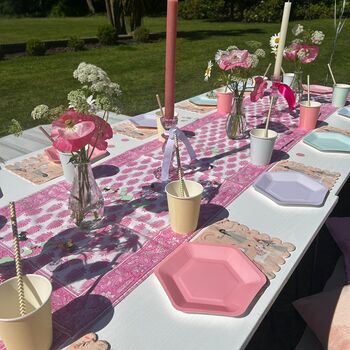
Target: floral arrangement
x,y
77,129
236,66
304,48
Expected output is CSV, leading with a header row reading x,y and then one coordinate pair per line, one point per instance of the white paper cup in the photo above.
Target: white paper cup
x,y
32,331
68,168
288,78
261,147
184,211
340,95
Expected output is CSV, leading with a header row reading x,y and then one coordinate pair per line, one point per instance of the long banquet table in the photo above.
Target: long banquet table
x,y
145,318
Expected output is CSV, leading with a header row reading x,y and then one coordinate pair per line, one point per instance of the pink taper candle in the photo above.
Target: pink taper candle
x,y
170,60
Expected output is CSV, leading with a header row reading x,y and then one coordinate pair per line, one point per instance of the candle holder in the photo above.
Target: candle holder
x,y
169,123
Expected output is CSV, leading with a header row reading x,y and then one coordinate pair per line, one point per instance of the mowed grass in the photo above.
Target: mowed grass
x,y
139,68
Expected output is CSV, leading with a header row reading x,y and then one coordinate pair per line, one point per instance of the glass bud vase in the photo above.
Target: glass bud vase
x,y
86,200
297,85
236,120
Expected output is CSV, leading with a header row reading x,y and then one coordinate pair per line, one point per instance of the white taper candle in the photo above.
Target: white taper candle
x,y
282,39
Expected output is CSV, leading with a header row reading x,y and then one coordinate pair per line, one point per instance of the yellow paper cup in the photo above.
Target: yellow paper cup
x,y
184,211
33,331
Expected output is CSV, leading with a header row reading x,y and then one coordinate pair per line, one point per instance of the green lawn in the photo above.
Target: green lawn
x,y
138,68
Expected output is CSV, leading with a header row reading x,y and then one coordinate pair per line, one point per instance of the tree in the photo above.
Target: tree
x,y
136,10
116,14
91,7
117,10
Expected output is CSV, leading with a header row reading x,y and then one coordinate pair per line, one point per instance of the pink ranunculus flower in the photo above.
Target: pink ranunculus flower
x,y
103,132
308,53
235,59
72,132
291,52
259,88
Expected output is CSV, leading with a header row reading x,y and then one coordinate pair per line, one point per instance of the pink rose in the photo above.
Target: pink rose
x,y
234,59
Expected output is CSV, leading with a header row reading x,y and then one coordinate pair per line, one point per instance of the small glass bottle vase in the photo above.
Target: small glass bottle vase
x,y
236,120
86,200
297,85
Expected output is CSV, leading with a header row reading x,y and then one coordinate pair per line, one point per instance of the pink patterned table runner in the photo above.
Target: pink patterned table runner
x,y
105,265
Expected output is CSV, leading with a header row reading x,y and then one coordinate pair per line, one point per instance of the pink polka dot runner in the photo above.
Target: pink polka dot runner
x,y
105,265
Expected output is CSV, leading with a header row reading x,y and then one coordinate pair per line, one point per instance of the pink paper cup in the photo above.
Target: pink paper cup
x,y
309,114
224,101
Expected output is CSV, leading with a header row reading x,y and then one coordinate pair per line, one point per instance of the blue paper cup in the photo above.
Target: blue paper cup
x,y
340,95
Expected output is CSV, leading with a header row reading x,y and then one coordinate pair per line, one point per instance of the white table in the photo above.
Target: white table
x,y
146,320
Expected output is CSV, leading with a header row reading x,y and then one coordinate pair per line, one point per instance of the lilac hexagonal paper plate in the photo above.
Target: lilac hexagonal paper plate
x,y
145,120
291,188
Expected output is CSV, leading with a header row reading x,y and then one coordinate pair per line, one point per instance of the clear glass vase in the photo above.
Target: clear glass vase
x,y
236,121
85,200
297,85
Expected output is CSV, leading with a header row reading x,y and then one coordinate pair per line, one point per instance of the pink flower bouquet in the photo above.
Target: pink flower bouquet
x,y
304,49
236,67
78,131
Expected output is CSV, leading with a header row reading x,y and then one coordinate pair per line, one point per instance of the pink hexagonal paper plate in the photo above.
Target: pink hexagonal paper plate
x,y
210,279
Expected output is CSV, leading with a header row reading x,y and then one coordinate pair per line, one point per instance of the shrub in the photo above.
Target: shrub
x,y
200,9
314,11
107,34
72,8
264,11
76,44
35,47
141,34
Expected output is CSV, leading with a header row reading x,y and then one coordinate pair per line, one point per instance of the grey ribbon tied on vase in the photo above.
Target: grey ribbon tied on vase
x,y
169,149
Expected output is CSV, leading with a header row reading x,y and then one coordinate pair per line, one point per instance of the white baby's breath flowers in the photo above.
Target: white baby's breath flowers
x,y
98,87
317,37
15,128
77,100
106,87
298,29
260,53
218,55
232,47
88,73
40,112
254,61
302,54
